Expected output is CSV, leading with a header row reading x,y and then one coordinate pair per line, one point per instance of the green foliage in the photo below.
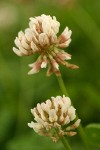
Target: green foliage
x,y
93,133
32,141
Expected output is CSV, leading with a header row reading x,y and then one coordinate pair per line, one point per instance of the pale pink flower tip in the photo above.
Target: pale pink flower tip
x,y
54,118
41,37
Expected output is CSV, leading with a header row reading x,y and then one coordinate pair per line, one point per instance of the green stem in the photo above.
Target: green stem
x,y
66,144
61,85
83,137
80,129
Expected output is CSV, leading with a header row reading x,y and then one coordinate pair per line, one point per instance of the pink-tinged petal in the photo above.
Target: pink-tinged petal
x,y
67,33
36,68
71,66
65,44
60,61
33,71
65,36
64,56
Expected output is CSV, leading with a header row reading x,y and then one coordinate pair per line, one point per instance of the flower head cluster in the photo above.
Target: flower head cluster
x,y
53,118
41,37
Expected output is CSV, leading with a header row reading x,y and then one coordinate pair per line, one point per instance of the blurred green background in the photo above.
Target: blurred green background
x,y
20,92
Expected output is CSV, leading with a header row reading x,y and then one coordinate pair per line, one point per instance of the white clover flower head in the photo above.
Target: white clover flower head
x,y
41,37
54,118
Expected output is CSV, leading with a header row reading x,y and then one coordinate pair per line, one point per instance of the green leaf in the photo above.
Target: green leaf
x,y
93,133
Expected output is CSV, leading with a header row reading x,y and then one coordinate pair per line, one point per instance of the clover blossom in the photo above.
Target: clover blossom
x,y
54,118
41,37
